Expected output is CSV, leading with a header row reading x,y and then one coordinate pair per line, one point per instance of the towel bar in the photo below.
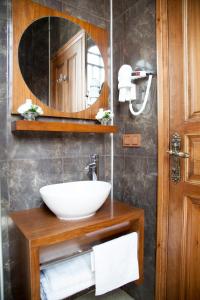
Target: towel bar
x,y
83,251
63,258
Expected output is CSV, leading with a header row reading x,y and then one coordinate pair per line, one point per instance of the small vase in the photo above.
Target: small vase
x,y
105,121
30,116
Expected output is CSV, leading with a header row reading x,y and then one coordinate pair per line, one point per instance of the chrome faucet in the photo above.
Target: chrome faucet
x,y
93,167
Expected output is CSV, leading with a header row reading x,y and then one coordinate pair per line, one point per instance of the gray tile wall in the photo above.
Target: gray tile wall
x,y
135,169
29,161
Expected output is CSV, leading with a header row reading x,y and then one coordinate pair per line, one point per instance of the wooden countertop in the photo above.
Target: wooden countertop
x,y
41,227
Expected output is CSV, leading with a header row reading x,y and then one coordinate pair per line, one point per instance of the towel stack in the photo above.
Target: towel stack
x,y
66,278
109,266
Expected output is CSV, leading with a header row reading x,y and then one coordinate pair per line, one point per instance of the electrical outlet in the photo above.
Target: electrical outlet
x,y
132,140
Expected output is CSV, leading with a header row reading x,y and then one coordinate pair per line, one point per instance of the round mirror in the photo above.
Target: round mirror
x,y
61,64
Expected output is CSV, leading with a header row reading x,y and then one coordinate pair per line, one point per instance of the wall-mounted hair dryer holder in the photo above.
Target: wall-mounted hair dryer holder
x,y
127,86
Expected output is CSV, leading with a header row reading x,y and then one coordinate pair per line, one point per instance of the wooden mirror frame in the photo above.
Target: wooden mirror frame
x,y
26,12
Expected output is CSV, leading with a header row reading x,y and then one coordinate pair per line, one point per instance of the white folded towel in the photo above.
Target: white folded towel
x,y
115,263
66,278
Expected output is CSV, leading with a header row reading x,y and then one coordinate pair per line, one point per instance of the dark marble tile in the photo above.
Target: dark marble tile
x,y
107,144
118,59
3,169
104,168
26,177
107,168
4,225
3,142
55,4
3,31
6,271
3,72
118,9
16,258
134,180
107,10
140,183
85,14
139,34
128,4
34,146
76,145
118,146
3,114
87,6
101,168
119,177
3,11
74,169
4,197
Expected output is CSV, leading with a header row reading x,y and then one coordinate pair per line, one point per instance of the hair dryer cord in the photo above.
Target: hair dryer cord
x,y
136,113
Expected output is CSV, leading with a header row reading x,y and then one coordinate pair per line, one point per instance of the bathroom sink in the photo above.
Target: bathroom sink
x,y
75,200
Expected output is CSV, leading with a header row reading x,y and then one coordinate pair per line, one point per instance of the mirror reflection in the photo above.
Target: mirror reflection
x,y
61,64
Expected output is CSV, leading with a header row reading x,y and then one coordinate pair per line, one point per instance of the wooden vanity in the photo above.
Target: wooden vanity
x,y
41,232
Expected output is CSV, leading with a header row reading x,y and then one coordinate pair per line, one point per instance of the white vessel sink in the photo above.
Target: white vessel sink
x,y
75,200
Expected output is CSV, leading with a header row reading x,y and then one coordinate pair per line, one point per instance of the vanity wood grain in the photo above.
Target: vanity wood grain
x,y
40,228
23,125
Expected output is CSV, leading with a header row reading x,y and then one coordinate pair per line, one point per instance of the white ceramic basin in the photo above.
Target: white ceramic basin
x,y
75,200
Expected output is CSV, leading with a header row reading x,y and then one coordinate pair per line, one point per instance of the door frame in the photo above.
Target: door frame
x,y
163,145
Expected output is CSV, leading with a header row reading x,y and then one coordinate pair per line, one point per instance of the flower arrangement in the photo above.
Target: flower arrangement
x,y
29,110
104,116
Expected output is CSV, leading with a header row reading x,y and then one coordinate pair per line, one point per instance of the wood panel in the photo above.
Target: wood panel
x,y
48,229
192,58
163,145
193,163
191,249
178,111
24,13
38,126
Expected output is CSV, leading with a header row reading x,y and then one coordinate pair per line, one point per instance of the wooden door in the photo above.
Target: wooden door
x,y
59,96
68,75
178,242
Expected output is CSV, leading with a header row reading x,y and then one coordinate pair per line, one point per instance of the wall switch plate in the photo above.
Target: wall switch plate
x,y
131,140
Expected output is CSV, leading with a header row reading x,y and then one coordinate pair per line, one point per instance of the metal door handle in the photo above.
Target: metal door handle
x,y
178,153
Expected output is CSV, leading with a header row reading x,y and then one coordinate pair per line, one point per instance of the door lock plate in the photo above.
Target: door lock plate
x,y
176,154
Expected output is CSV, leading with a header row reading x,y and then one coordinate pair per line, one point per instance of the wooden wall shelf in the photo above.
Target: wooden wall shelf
x,y
38,229
39,126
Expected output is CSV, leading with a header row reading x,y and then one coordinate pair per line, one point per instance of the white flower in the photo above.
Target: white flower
x,y
39,110
100,114
28,106
104,114
25,107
